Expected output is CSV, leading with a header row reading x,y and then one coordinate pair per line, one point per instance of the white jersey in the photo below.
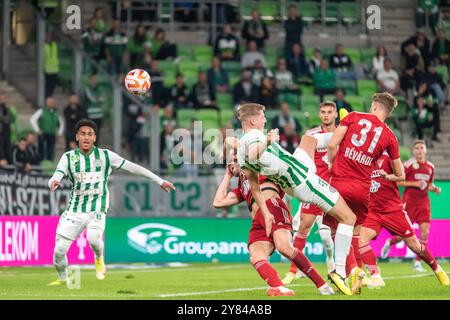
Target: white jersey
x,y
89,175
276,164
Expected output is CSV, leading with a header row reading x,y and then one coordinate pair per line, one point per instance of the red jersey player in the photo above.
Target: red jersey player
x,y
308,213
260,245
419,181
386,210
353,151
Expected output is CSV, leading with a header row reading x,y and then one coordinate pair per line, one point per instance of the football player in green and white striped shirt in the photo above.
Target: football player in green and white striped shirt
x,y
88,168
295,173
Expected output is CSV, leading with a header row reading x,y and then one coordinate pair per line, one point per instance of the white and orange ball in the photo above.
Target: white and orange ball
x,y
138,82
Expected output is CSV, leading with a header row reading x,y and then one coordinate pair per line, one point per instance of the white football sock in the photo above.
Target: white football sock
x,y
62,245
343,240
95,239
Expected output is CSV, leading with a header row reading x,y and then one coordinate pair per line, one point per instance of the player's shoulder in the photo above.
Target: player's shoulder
x,y
430,164
314,131
252,134
408,163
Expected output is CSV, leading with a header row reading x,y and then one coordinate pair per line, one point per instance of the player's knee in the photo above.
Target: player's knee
x,y
93,236
285,249
61,247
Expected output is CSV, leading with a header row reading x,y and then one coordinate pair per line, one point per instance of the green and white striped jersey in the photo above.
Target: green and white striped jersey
x,y
276,164
89,174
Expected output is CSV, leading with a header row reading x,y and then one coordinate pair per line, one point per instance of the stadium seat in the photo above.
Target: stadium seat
x,y
271,54
350,12
357,102
327,52
329,97
203,53
309,102
225,116
209,118
401,112
405,153
309,51
309,10
331,13
167,66
232,66
270,10
306,89
366,55
224,101
233,79
300,116
366,88
270,114
348,85
292,99
443,71
184,52
185,117
15,134
354,54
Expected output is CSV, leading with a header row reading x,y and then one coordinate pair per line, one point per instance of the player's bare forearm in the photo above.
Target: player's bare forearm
x,y
308,144
433,188
223,198
408,184
398,169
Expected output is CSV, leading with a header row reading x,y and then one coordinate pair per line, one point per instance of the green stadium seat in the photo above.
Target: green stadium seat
x,y
366,55
307,102
309,51
165,15
203,53
405,153
185,52
48,167
224,101
232,66
331,13
300,116
366,88
309,11
357,102
329,97
209,118
350,12
225,116
348,85
292,99
270,10
167,66
233,79
271,54
185,117
354,54
401,112
327,52
306,89
443,71
270,114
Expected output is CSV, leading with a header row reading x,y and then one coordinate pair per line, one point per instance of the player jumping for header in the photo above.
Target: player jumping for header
x,y
88,168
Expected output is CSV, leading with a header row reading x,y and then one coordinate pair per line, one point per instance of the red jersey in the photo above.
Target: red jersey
x,y
244,193
415,171
363,144
320,156
384,196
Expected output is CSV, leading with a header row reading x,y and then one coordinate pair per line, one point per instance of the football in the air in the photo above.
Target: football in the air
x,y
137,81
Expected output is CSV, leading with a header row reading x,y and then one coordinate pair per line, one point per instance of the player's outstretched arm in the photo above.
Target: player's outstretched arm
x,y
141,171
223,198
61,171
335,141
259,199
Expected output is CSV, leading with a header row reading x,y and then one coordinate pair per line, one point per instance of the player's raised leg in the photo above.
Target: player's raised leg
x,y
424,228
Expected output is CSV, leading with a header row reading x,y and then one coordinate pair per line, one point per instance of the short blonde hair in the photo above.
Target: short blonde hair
x,y
416,142
387,100
328,103
246,110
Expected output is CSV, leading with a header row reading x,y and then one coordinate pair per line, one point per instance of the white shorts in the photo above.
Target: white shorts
x,y
71,225
316,191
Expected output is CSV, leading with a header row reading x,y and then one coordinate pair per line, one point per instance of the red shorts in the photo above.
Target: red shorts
x,y
418,214
311,209
282,216
355,194
330,221
396,222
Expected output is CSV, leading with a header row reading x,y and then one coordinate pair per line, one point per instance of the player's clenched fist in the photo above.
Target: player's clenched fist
x,y
167,186
55,184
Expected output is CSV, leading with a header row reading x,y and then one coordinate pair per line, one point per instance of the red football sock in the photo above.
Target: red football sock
x,y
428,257
268,273
369,259
423,242
351,261
395,239
305,266
299,243
355,244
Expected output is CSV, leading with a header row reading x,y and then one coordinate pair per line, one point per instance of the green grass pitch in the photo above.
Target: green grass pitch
x,y
207,281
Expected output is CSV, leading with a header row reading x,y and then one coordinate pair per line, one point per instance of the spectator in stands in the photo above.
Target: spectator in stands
x,y
314,63
441,49
245,90
423,117
341,63
293,28
47,123
168,116
93,100
284,118
378,60
218,76
101,25
255,30
289,139
284,78
180,93
432,84
116,48
227,45
139,144
92,40
388,79
422,43
203,95
20,157
268,93
259,71
297,62
428,8
32,149
340,101
324,80
157,89
161,48
412,59
138,47
6,120
51,64
166,144
252,54
73,113
409,83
